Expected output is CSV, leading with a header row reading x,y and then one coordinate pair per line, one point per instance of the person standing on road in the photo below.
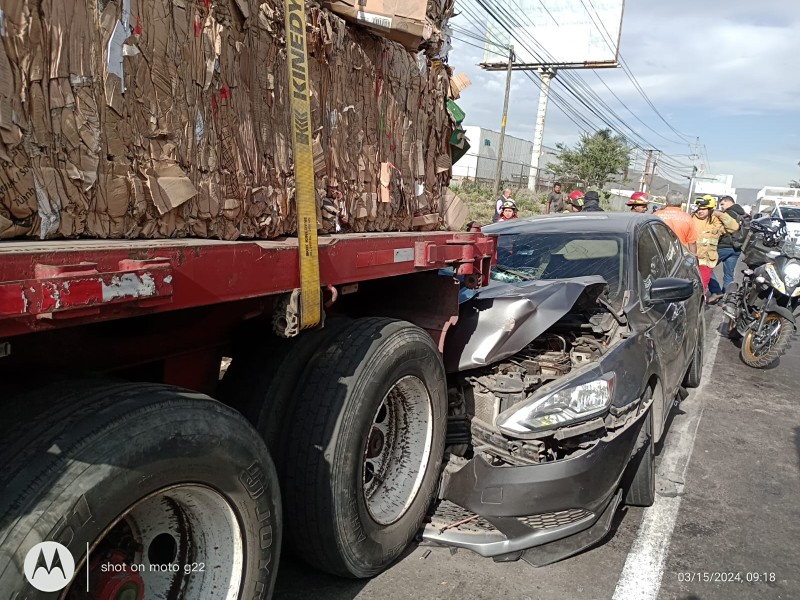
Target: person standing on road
x,y
555,201
681,223
498,207
729,249
591,202
710,225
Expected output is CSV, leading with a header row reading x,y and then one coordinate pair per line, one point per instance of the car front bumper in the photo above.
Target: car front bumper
x,y
542,512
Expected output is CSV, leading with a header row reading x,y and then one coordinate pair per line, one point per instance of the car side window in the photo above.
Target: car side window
x,y
650,264
670,245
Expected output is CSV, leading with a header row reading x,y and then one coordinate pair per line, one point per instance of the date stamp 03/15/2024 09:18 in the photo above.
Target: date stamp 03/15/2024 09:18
x,y
726,576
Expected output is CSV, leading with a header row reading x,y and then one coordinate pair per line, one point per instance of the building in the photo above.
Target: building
x,y
715,185
480,163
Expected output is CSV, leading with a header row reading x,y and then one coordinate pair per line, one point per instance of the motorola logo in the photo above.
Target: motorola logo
x,y
49,566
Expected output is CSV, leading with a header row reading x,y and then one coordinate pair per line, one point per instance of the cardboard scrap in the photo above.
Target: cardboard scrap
x,y
455,212
458,84
171,118
402,21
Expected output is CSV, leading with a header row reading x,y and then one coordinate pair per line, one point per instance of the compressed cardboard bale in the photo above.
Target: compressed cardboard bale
x,y
170,118
402,21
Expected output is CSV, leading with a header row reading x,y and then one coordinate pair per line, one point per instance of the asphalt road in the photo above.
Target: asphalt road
x,y
726,523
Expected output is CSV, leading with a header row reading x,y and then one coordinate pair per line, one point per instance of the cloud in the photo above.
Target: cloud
x,y
723,70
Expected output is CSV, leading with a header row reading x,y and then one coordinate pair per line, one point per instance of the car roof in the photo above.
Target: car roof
x,y
593,222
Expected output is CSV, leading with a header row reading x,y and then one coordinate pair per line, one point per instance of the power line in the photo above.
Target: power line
x,y
632,77
500,15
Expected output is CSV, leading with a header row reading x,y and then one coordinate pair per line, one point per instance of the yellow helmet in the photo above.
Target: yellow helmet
x,y
707,201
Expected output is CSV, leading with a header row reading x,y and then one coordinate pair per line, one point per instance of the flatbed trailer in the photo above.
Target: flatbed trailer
x,y
121,440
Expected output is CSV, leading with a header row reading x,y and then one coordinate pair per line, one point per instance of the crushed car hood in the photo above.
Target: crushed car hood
x,y
503,318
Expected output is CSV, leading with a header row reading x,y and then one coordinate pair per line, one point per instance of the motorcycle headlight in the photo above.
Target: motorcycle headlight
x,y
561,407
775,278
791,274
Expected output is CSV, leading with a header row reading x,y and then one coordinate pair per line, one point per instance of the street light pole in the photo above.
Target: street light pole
x,y
547,75
498,173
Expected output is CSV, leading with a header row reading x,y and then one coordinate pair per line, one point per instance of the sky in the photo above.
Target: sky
x,y
723,71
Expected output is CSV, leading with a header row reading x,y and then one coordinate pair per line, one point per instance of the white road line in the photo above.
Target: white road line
x,y
640,578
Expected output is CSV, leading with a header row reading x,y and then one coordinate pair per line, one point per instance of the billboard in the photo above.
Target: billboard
x,y
558,32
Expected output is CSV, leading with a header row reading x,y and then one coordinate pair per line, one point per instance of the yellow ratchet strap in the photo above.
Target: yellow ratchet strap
x,y
297,56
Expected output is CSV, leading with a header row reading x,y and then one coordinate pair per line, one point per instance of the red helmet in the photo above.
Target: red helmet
x,y
575,195
638,199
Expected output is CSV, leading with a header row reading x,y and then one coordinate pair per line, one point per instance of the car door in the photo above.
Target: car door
x,y
686,316
663,317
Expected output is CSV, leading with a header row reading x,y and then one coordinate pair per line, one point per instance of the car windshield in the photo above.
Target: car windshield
x,y
790,214
536,256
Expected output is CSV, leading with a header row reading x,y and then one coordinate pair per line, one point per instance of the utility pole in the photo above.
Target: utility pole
x,y
546,75
653,172
498,174
649,183
645,171
695,157
691,190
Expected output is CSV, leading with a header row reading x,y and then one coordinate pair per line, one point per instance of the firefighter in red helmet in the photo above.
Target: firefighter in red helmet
x,y
638,202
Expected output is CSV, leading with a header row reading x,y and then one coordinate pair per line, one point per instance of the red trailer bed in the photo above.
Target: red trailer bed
x,y
50,284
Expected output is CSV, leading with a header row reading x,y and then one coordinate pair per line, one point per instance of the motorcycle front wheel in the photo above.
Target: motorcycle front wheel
x,y
761,350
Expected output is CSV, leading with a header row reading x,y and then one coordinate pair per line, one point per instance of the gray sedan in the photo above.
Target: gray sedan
x,y
562,373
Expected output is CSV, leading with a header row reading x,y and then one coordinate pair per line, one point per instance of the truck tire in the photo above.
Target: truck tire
x,y
365,447
174,493
261,381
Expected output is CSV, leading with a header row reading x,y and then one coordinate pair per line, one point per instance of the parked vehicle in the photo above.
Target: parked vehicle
x,y
762,309
562,373
769,197
790,215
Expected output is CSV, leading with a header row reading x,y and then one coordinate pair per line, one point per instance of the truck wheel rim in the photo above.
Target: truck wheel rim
x,y
184,541
397,450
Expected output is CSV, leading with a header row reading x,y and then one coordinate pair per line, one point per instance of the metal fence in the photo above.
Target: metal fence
x,y
514,174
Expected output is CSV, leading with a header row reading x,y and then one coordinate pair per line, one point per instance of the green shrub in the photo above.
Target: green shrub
x,y
480,201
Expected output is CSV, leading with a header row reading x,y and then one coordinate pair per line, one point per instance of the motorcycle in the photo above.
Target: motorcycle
x,y
762,308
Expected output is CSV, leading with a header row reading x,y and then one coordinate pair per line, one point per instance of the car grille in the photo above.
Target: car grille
x,y
556,519
448,514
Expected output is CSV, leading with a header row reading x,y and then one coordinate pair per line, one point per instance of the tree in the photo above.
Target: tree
x,y
594,160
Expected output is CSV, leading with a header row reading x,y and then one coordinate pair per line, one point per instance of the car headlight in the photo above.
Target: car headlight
x,y
561,407
791,274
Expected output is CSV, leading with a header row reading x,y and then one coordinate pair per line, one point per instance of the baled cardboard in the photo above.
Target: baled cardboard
x,y
403,21
170,118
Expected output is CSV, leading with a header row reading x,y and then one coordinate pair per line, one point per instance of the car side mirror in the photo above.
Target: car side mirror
x,y
671,289
758,215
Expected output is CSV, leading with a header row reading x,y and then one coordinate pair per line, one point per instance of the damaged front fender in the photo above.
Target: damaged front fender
x,y
504,318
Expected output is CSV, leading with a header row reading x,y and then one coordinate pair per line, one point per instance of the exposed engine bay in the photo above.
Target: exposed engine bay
x,y
481,396
578,339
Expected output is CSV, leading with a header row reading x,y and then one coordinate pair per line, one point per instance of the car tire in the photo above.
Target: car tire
x,y
365,447
144,474
641,485
695,373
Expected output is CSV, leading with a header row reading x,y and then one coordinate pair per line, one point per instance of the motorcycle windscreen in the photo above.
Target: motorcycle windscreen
x,y
504,318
